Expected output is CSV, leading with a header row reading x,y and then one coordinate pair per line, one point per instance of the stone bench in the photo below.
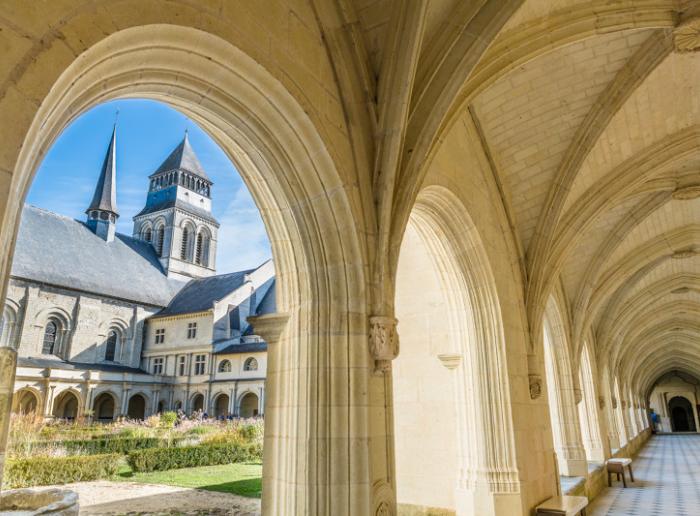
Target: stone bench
x,y
563,506
617,466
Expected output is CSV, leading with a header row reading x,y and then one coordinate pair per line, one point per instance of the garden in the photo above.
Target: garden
x,y
223,456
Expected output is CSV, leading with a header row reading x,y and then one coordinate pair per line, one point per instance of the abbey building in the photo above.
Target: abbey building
x,y
108,325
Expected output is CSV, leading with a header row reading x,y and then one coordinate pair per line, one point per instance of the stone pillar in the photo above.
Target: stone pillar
x,y
281,401
234,399
8,367
571,455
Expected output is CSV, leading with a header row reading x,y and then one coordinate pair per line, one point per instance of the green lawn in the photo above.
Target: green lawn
x,y
240,479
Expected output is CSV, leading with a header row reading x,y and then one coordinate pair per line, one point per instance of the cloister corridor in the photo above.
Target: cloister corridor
x,y
484,218
666,481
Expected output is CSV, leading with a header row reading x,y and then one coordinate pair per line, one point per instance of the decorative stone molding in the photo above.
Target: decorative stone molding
x,y
383,341
681,290
601,402
450,360
535,381
269,326
384,496
383,509
613,402
686,36
578,395
682,254
686,193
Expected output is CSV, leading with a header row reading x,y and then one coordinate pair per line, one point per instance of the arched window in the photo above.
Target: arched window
x,y
160,236
185,243
8,319
111,348
250,364
202,250
50,337
148,235
225,366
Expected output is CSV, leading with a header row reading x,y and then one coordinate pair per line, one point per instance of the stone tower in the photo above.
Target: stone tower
x,y
102,212
177,218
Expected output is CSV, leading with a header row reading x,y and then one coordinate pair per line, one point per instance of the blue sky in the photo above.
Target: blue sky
x,y
146,133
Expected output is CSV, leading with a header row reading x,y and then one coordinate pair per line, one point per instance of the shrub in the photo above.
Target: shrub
x,y
168,419
41,471
159,459
96,446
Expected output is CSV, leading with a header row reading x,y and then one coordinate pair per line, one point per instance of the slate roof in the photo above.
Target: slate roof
x,y
200,294
183,158
64,252
241,347
183,205
105,197
76,366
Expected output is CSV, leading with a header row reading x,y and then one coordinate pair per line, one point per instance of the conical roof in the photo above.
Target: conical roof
x,y
183,158
105,198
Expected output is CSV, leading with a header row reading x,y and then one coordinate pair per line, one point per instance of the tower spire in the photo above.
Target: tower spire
x,y
102,212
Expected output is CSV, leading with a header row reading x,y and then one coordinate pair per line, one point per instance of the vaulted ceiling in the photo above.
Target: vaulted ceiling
x,y
591,111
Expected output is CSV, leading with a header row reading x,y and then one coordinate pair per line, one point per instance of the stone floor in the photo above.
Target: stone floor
x,y
130,499
667,474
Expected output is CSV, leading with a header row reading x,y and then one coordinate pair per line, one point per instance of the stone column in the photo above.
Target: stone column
x,y
8,366
281,402
571,456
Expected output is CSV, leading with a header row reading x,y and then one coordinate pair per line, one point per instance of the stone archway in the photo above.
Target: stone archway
x,y
137,407
197,403
309,211
248,406
104,407
681,412
26,401
66,406
221,405
449,317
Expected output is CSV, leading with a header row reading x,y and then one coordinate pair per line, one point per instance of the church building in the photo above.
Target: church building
x,y
110,325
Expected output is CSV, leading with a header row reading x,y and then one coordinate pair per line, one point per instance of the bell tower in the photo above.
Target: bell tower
x,y
177,219
102,213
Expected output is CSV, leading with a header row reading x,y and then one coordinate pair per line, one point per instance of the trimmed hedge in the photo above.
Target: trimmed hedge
x,y
42,471
100,446
160,459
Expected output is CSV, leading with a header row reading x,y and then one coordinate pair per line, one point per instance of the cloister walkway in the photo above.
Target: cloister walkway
x,y
667,474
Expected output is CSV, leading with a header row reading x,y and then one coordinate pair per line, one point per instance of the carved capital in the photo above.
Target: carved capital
x,y
535,381
683,254
613,402
269,326
383,341
686,193
450,360
686,36
601,402
578,395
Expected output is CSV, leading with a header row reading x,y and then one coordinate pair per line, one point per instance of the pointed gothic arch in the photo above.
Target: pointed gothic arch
x,y
564,414
472,351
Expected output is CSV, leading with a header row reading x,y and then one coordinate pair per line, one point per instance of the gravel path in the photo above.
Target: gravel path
x,y
131,499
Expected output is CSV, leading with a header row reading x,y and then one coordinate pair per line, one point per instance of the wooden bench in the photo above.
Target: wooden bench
x,y
617,466
563,506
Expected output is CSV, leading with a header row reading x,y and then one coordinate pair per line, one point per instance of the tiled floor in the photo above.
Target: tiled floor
x,y
667,474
